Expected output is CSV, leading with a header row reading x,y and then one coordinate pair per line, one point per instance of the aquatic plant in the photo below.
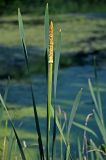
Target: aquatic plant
x,y
64,127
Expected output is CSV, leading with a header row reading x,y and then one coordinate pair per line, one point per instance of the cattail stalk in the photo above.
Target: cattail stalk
x,y
50,65
49,98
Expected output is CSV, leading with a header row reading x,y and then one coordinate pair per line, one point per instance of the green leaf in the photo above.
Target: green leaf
x,y
100,104
84,128
6,89
10,145
93,94
97,153
73,112
46,35
22,36
98,90
68,152
92,156
59,126
21,29
46,24
100,126
17,138
56,61
56,64
54,133
1,114
37,126
79,151
98,115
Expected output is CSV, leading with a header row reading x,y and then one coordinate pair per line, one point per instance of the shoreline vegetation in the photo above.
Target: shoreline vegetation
x,y
86,33
55,136
82,36
60,6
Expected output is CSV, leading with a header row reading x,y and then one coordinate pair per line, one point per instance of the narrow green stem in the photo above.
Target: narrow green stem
x,y
49,92
49,104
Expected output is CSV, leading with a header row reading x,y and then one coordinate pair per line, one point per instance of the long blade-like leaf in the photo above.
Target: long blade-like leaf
x,y
79,151
22,36
98,91
95,150
98,105
56,61
73,112
56,65
46,32
17,138
46,24
58,126
84,128
93,94
37,127
100,126
46,35
21,29
10,145
67,152
54,133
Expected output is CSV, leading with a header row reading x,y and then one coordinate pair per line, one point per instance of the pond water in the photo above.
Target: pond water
x,y
70,80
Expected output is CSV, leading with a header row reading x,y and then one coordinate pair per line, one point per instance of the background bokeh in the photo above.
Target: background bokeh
x,y
60,6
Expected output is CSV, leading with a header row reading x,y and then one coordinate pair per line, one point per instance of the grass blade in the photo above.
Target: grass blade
x,y
37,127
84,128
98,90
73,112
59,126
67,152
46,24
46,31
97,152
22,36
1,114
4,143
56,65
17,138
100,126
93,94
6,90
56,61
98,108
54,133
21,29
10,145
46,63
79,151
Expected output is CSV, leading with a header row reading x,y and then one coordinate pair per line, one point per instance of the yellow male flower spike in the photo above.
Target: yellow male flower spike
x,y
50,56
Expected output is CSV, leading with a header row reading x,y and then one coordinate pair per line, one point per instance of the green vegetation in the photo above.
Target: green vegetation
x,y
58,127
60,6
85,33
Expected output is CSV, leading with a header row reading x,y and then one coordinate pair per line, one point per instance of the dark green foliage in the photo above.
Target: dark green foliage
x,y
60,6
15,133
21,29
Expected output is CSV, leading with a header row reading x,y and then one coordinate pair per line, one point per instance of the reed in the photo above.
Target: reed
x,y
52,56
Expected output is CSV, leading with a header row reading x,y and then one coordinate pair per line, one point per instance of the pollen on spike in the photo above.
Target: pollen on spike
x,y
51,24
60,30
50,58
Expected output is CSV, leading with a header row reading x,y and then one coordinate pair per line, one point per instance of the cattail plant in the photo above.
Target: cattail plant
x,y
51,111
50,67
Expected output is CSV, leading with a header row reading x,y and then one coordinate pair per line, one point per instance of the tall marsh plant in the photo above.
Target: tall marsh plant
x,y
48,151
